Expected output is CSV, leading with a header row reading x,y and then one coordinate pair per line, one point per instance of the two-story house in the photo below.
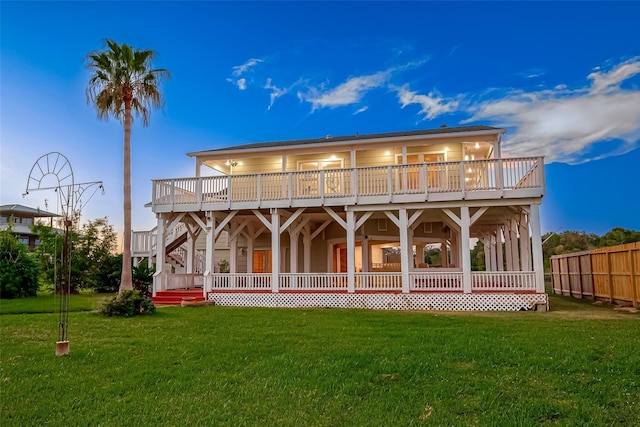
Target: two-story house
x,y
345,221
20,219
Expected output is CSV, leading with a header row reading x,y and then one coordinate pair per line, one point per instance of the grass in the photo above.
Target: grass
x,y
49,303
576,365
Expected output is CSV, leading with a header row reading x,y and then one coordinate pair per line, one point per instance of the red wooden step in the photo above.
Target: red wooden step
x,y
175,297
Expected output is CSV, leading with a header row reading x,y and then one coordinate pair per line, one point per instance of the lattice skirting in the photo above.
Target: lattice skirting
x,y
456,302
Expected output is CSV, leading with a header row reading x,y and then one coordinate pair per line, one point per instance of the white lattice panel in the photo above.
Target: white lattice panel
x,y
435,301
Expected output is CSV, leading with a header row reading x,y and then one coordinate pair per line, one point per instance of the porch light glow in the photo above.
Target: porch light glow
x,y
387,153
469,170
477,145
466,157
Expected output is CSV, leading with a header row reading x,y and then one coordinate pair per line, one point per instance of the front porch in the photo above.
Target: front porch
x,y
509,291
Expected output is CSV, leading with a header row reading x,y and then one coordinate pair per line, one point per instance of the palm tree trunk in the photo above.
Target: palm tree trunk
x,y
126,282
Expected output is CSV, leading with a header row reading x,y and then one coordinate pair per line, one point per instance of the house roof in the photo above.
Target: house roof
x,y
472,130
25,211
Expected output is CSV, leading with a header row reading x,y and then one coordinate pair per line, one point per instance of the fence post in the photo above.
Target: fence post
x,y
634,286
609,277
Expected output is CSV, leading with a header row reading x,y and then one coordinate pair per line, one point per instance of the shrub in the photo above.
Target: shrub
x,y
142,278
128,304
18,268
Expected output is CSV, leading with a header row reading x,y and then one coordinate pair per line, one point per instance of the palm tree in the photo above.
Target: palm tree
x,y
123,82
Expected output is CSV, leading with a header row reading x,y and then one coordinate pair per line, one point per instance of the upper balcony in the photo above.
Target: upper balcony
x,y
508,178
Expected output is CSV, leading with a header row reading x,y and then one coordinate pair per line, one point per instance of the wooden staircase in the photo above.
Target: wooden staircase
x,y
175,297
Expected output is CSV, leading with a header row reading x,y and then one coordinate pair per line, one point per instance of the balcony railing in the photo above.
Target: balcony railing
x,y
492,178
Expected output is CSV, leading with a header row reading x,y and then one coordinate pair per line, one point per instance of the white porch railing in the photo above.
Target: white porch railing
x,y
445,281
416,181
523,281
313,281
378,281
503,281
239,281
181,281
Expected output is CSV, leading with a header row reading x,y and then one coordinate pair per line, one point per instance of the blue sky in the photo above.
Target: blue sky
x,y
562,78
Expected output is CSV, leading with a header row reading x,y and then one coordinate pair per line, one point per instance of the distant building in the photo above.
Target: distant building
x,y
21,218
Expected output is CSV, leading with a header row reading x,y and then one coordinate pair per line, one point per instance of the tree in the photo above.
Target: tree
x,y
124,82
619,236
18,268
92,262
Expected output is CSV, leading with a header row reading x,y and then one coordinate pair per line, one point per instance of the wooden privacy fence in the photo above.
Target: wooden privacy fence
x,y
611,273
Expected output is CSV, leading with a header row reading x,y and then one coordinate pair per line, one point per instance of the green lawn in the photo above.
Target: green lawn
x,y
577,365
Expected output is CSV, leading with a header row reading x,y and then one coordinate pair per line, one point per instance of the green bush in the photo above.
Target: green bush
x,y
128,304
18,268
142,278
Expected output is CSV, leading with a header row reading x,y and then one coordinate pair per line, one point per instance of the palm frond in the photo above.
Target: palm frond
x,y
121,75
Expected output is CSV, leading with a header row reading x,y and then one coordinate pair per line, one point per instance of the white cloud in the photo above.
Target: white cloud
x,y
350,92
275,92
361,110
564,124
432,105
239,70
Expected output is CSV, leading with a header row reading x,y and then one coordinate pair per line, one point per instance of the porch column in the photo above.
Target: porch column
x,y
525,244
486,241
293,257
351,251
210,248
275,249
508,253
404,247
306,248
464,245
494,252
499,257
455,249
536,238
160,256
233,255
444,259
419,254
515,257
191,253
366,258
250,253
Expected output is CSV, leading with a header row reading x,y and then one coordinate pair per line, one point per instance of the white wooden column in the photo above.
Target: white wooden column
x,y
233,255
351,251
455,249
508,253
404,245
515,256
275,249
525,244
444,260
419,254
161,251
293,252
366,257
486,241
191,253
536,238
210,247
465,223
499,257
250,245
306,248
494,252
